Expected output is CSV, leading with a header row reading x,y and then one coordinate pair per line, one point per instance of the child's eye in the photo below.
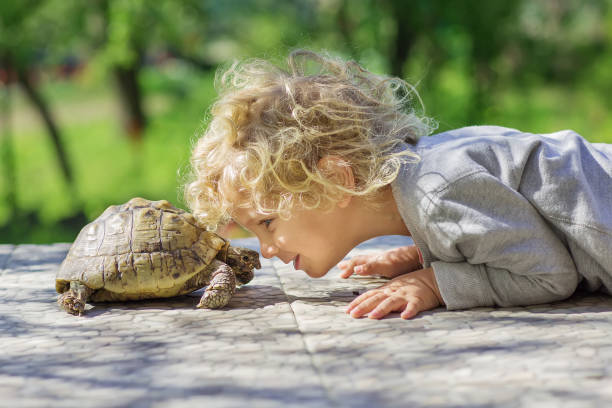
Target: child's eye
x,y
266,222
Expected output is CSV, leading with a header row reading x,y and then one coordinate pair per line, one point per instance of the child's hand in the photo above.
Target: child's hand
x,y
410,293
389,264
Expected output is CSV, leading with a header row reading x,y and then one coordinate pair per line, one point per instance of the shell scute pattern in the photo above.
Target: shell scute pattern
x,y
137,247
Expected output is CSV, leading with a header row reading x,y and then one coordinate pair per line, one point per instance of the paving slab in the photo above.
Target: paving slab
x,y
285,341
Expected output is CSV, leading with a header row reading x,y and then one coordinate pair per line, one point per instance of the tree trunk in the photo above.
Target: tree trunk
x,y
193,60
131,98
52,130
346,28
404,37
7,152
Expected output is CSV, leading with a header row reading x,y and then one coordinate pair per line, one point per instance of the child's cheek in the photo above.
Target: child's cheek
x,y
280,239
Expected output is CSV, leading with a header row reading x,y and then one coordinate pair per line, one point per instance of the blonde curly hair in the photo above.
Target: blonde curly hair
x,y
270,127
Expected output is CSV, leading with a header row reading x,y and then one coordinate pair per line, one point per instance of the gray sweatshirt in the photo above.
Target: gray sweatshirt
x,y
510,218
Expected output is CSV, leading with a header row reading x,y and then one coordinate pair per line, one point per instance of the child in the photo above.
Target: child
x,y
316,162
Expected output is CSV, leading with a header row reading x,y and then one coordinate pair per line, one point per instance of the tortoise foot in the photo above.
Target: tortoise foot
x,y
214,299
221,288
71,303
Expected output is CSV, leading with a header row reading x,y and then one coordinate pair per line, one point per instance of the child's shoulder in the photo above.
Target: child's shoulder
x,y
472,132
464,144
470,146
451,155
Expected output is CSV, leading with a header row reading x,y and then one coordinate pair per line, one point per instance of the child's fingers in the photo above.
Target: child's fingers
x,y
346,269
411,310
345,273
365,269
352,265
368,305
360,299
362,269
387,306
343,264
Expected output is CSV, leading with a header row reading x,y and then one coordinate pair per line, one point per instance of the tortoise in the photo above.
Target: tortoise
x,y
150,249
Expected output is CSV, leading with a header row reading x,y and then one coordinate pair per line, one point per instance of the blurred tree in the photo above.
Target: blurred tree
x,y
470,60
7,157
483,44
490,29
559,39
123,37
134,33
24,35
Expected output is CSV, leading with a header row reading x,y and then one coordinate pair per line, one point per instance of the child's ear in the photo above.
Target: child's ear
x,y
339,170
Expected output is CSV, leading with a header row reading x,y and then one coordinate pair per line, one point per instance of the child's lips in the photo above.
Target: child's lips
x,y
296,262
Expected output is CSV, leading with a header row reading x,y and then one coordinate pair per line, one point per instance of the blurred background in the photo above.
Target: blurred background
x,y
101,100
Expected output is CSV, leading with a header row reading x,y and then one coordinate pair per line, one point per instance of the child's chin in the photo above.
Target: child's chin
x,y
315,274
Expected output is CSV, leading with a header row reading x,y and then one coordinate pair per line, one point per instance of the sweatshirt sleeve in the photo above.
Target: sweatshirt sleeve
x,y
495,248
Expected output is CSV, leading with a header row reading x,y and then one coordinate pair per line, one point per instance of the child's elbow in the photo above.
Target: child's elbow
x,y
561,285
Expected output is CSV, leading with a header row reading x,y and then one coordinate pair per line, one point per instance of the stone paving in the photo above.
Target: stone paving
x,y
285,341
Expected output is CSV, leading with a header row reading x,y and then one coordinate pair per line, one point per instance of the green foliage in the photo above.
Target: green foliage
x,y
108,169
537,66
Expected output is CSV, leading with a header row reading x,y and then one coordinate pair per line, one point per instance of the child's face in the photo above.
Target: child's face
x,y
314,240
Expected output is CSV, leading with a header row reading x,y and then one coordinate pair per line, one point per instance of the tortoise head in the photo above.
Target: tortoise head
x,y
243,261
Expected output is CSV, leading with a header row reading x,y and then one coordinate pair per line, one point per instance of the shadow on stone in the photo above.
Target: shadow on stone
x,y
250,297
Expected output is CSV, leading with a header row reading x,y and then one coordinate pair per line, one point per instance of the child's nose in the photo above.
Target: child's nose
x,y
268,251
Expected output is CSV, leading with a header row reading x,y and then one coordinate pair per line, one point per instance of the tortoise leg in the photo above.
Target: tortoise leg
x,y
221,288
73,300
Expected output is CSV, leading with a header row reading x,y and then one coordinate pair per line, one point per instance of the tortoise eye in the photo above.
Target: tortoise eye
x,y
245,258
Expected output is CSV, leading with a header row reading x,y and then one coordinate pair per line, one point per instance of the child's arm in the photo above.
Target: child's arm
x,y
491,246
410,293
389,264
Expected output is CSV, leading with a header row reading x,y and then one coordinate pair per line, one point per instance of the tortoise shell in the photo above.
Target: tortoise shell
x,y
138,250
